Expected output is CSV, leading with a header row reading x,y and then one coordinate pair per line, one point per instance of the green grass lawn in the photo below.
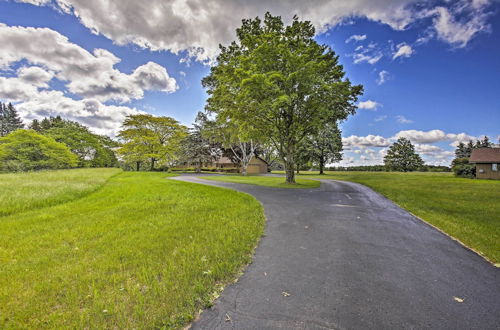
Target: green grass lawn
x,y
26,191
141,252
267,181
466,209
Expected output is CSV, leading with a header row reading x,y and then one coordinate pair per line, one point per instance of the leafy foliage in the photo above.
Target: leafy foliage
x,y
92,150
26,150
462,168
278,83
402,157
149,138
9,119
196,147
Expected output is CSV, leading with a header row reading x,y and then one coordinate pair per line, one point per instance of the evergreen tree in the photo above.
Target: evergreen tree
x,y
9,119
402,157
35,125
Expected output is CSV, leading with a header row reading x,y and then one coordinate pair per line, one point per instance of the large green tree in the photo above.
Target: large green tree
x,y
402,157
26,150
9,119
276,80
149,138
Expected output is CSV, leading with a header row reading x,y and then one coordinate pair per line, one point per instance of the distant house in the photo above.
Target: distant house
x,y
487,162
257,165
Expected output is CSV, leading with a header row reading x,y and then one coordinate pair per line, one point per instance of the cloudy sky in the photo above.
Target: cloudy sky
x,y
431,69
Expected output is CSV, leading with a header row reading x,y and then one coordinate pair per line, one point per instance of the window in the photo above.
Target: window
x,y
494,167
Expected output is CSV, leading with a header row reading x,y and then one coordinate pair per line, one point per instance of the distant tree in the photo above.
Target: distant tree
x,y
197,147
35,125
268,152
9,119
149,138
26,150
401,156
277,80
326,146
92,150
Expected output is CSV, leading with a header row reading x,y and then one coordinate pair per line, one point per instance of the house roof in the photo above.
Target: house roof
x,y
224,160
485,155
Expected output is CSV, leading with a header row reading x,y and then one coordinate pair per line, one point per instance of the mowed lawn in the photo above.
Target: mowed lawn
x,y
466,209
267,181
26,191
141,252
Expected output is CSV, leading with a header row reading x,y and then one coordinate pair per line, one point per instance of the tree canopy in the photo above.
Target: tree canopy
x,y
276,82
149,138
26,150
402,157
92,150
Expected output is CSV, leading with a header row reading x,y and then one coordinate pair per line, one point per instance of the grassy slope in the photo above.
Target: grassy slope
x,y
142,252
27,191
267,181
466,209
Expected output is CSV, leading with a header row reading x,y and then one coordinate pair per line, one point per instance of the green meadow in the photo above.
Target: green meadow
x,y
102,249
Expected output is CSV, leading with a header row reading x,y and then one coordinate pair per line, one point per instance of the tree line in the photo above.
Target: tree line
x,y
51,143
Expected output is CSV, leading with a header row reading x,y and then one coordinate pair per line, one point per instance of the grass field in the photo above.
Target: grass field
x,y
27,191
266,181
141,252
466,209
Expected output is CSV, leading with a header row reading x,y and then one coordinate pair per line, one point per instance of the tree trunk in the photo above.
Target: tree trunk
x,y
321,165
244,170
290,173
137,166
198,167
298,169
152,164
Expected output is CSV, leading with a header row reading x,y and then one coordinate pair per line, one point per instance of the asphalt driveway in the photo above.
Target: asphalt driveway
x,y
344,257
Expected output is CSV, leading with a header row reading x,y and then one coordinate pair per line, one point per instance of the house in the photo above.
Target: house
x,y
487,162
257,165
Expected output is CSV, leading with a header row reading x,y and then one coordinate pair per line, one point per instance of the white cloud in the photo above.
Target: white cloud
x,y
369,105
403,120
365,141
461,22
356,37
380,118
35,76
196,27
433,136
100,118
358,149
383,76
402,50
370,54
90,75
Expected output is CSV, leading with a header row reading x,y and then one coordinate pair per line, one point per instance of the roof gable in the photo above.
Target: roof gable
x,y
485,155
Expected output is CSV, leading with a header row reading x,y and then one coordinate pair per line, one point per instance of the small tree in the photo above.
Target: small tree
x,y
9,119
26,150
326,146
401,156
156,139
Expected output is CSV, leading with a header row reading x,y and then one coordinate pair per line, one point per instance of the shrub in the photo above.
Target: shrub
x,y
462,168
26,150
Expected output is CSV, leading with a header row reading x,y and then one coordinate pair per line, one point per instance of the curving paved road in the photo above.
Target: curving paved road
x,y
344,257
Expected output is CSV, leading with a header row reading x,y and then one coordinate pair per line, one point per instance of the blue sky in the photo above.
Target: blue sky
x,y
431,69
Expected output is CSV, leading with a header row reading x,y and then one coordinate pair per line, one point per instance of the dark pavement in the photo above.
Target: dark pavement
x,y
344,257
